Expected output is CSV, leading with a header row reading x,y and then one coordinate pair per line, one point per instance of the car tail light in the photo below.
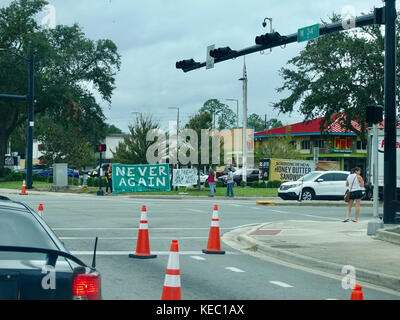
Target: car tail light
x,y
86,286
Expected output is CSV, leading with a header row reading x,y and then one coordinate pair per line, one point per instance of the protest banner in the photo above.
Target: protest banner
x,y
184,177
140,178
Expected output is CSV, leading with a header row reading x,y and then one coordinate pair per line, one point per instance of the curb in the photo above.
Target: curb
x,y
390,235
364,275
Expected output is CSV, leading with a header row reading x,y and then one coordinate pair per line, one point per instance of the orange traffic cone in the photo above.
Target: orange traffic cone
x,y
40,210
357,293
23,190
143,243
214,243
172,282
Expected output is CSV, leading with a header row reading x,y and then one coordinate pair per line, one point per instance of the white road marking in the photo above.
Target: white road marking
x,y
196,210
234,269
123,253
198,258
127,229
281,284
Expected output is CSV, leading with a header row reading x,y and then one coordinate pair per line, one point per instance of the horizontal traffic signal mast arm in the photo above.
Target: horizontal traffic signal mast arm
x,y
278,40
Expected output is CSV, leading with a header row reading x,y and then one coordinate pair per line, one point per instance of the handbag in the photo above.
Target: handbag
x,y
347,194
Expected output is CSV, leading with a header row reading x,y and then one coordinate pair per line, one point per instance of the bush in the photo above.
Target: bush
x,y
206,185
243,184
220,184
255,184
15,176
274,184
262,184
5,172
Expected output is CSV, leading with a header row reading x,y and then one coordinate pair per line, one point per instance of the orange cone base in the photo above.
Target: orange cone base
x,y
143,256
213,252
171,293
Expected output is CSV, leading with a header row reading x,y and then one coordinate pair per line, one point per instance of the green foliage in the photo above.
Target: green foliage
x,y
219,184
255,184
341,72
66,62
262,184
243,184
134,147
4,171
15,176
225,118
274,184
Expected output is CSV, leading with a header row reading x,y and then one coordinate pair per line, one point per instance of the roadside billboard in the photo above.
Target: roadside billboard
x,y
140,178
289,170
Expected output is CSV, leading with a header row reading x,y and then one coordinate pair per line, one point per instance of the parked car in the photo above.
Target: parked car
x,y
36,169
71,172
35,264
252,175
316,185
225,171
96,171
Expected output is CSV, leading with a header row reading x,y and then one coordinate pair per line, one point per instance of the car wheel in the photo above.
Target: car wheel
x,y
307,194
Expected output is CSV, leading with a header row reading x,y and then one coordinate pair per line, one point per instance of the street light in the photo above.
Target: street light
x,y
30,100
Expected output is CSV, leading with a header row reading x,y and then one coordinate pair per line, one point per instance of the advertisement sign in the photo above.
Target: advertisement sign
x,y
140,178
342,144
184,177
290,170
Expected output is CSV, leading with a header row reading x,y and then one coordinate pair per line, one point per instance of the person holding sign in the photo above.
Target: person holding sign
x,y
109,178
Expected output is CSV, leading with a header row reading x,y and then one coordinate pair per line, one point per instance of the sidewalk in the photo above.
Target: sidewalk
x,y
328,246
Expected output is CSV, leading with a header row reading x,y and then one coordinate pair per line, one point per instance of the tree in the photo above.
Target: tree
x,y
134,147
337,74
66,65
224,117
282,147
256,122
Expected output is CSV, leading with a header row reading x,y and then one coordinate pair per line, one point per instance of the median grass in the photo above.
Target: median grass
x,y
220,191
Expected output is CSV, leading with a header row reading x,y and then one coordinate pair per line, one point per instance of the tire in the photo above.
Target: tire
x,y
307,194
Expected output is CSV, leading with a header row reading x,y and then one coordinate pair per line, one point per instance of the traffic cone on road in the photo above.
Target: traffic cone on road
x,y
143,242
214,242
172,282
40,210
23,190
357,293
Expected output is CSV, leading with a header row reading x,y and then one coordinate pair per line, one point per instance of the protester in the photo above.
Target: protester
x,y
109,178
211,182
356,183
229,183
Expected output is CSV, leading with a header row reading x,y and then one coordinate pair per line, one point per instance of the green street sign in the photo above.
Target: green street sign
x,y
308,33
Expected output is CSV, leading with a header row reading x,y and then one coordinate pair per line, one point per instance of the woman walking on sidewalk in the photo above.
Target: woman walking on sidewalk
x,y
211,182
356,183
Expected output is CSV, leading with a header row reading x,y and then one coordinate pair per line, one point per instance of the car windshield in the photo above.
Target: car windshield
x,y
17,228
310,176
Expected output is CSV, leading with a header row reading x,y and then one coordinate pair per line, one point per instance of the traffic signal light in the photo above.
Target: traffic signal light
x,y
268,38
221,52
373,114
101,148
186,64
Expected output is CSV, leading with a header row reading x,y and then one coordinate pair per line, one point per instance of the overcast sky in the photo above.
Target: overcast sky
x,y
152,35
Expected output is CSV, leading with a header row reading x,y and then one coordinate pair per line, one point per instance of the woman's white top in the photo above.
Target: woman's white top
x,y
356,185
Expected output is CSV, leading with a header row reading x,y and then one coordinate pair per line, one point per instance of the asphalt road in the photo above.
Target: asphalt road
x,y
77,220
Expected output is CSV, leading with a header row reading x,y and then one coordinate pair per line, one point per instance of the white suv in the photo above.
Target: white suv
x,y
316,185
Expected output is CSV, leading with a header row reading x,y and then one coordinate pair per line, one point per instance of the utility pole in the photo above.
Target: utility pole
x,y
244,153
390,180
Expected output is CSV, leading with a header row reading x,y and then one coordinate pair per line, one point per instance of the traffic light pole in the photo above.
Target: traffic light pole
x,y
100,192
390,179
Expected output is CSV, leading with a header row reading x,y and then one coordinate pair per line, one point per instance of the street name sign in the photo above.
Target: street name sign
x,y
308,33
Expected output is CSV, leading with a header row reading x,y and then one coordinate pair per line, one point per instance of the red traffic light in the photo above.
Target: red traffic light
x,y
101,148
